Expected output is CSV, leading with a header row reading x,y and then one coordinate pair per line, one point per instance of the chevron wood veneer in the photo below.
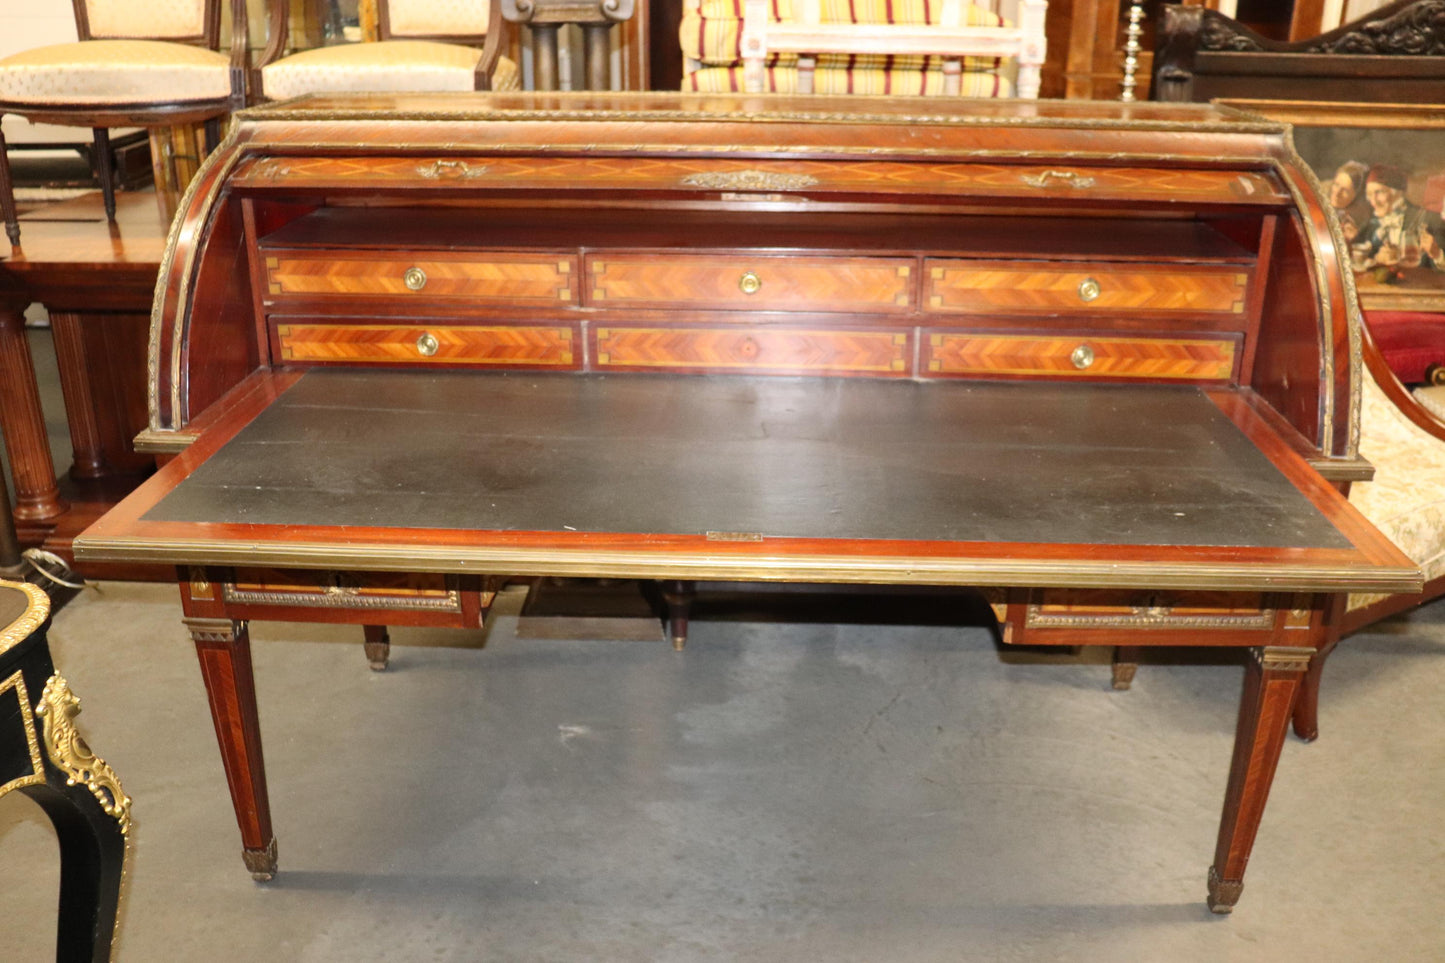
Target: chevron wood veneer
x,y
752,283
1173,358
454,344
542,279
1012,288
767,349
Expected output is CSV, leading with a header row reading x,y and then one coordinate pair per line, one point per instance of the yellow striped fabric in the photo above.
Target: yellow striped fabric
x,y
854,80
710,28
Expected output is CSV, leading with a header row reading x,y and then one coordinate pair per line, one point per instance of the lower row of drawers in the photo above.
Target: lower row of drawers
x,y
915,352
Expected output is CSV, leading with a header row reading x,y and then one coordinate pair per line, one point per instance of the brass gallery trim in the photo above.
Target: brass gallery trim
x,y
345,598
1145,616
1283,658
16,683
162,441
750,179
1247,123
585,563
37,608
57,710
723,152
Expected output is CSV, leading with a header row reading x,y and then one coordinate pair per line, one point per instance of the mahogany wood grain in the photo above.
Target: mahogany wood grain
x,y
37,497
1012,288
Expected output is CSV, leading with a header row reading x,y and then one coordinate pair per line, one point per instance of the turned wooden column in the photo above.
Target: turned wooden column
x,y
80,407
1271,681
223,647
99,355
37,498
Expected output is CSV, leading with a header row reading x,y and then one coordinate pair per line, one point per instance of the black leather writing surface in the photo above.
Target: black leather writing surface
x,y
805,457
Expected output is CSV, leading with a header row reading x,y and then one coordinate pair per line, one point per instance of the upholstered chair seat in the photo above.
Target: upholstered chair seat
x,y
397,65
113,72
136,63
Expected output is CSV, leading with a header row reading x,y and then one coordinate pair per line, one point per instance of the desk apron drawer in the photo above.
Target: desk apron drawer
x,y
735,283
309,595
1085,616
1166,359
546,346
515,279
991,287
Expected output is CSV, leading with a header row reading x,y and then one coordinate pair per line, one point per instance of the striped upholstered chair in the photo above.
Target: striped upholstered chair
x,y
907,47
423,45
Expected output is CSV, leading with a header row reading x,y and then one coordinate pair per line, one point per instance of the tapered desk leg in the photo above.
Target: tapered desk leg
x,y
224,649
377,646
1307,703
37,497
678,596
1271,681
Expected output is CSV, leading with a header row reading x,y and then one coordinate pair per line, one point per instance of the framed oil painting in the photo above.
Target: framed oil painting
x,y
1382,168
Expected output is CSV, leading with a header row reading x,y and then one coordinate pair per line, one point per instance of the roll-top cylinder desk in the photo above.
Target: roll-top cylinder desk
x,y
1098,361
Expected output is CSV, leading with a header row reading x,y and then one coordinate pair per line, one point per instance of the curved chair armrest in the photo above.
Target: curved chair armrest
x,y
1398,394
498,30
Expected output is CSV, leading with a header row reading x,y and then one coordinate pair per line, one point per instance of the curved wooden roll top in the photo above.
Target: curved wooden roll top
x,y
859,237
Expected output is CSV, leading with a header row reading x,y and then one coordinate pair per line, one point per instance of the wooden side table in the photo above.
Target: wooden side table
x,y
43,756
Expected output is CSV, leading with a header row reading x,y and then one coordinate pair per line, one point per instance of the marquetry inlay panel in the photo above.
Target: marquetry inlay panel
x,y
528,279
419,344
1184,359
698,175
755,349
1022,288
731,282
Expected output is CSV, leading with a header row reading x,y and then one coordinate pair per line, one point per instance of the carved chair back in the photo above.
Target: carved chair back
x,y
196,22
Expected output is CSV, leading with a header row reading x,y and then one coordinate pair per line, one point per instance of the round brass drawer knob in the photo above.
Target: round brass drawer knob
x,y
414,279
749,283
427,344
1082,357
1089,290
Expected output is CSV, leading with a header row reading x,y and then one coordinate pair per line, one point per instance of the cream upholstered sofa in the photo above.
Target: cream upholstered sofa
x,y
424,45
907,47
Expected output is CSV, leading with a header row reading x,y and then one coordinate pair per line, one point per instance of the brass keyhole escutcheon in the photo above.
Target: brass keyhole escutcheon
x,y
1089,290
427,344
1082,357
414,279
749,283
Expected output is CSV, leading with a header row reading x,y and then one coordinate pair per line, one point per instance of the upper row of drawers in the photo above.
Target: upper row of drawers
x,y
733,281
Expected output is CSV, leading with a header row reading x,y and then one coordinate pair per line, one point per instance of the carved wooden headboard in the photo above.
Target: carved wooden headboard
x,y
1393,55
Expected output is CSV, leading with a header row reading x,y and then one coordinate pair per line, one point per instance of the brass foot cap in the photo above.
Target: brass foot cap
x,y
1223,893
261,862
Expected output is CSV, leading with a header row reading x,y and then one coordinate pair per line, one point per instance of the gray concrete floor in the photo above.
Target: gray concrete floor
x,y
776,792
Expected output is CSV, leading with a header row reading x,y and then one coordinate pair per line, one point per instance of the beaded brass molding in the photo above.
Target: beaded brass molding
x,y
37,610
1145,616
57,710
16,684
343,597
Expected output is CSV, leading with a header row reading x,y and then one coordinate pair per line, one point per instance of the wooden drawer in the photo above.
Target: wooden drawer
x,y
313,589
355,343
737,283
1089,608
734,348
519,279
991,287
1169,359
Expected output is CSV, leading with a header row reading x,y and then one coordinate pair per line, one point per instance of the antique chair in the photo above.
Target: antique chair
x,y
136,64
424,45
861,47
43,756
1392,55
